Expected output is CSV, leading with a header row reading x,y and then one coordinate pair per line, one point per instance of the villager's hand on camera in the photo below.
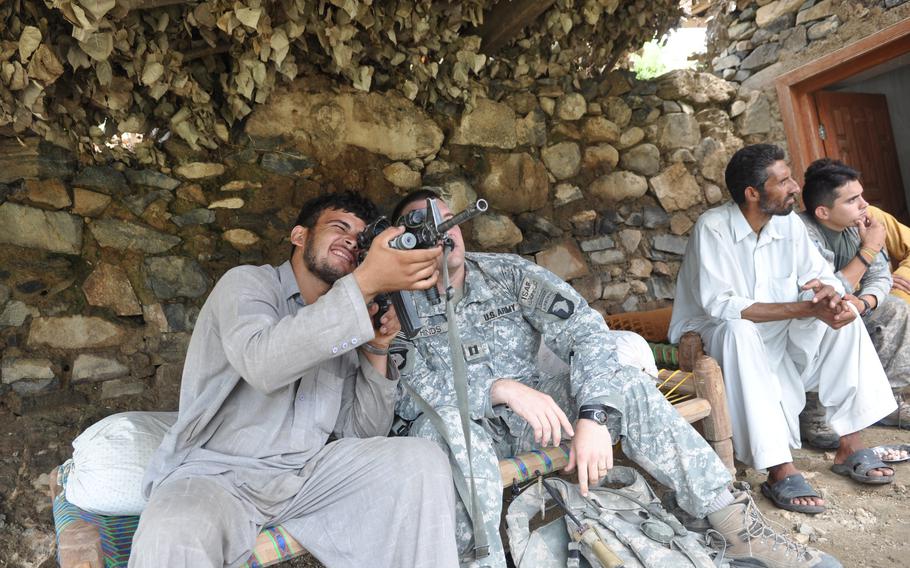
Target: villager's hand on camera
x,y
591,453
871,232
389,326
388,270
900,283
538,409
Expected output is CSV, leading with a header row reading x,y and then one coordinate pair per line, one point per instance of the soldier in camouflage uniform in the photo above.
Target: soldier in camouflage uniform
x,y
506,307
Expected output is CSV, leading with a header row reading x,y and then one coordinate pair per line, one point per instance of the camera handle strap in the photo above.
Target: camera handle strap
x,y
466,488
459,375
462,487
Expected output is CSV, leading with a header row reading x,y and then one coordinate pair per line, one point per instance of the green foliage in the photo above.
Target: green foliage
x,y
656,58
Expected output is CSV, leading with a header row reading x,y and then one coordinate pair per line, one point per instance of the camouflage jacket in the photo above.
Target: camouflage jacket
x,y
507,307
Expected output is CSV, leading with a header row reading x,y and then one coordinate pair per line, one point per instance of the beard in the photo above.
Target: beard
x,y
321,269
769,208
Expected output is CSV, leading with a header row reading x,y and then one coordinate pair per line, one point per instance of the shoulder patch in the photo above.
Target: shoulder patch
x,y
400,355
529,290
539,295
561,307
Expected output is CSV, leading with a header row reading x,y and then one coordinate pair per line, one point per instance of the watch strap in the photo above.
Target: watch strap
x,y
594,412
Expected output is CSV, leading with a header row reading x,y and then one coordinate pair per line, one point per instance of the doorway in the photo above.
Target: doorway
x,y
854,105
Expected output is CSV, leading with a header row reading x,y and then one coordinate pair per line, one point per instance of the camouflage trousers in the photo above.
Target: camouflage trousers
x,y
652,432
889,328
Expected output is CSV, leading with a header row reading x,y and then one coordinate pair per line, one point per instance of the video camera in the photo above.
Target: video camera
x,y
424,229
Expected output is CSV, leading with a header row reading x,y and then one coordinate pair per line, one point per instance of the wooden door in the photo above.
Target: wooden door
x,y
857,131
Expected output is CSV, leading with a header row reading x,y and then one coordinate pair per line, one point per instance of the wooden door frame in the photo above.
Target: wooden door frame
x,y
795,88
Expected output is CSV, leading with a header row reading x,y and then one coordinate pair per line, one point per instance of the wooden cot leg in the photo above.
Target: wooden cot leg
x,y
79,546
690,349
718,430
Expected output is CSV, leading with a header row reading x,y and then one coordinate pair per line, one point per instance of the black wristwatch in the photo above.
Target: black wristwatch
x,y
595,412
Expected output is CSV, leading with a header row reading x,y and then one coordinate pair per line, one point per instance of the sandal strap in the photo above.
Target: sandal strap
x,y
861,462
792,487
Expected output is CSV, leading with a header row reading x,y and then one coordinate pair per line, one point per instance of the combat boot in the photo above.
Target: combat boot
x,y
813,426
747,539
900,417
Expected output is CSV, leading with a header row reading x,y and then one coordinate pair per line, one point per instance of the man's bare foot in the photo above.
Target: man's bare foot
x,y
778,472
849,445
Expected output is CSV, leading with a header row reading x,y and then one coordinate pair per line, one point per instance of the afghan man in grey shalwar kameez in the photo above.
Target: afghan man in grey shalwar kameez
x,y
285,388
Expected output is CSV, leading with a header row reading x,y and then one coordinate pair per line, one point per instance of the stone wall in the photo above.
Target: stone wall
x,y
752,42
103,269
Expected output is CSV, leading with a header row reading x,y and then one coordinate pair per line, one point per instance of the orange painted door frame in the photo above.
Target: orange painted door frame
x,y
796,89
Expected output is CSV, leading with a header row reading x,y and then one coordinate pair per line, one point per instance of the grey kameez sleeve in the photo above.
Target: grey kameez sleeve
x,y
877,280
368,402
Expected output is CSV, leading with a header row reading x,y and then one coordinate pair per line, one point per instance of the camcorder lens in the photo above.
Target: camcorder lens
x,y
415,217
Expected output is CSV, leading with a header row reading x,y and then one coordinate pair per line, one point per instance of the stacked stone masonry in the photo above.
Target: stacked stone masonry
x,y
103,268
753,41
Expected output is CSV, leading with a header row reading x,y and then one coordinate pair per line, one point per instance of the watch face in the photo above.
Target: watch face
x,y
598,415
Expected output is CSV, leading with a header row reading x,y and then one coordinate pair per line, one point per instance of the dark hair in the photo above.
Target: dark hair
x,y
749,168
822,180
346,201
421,194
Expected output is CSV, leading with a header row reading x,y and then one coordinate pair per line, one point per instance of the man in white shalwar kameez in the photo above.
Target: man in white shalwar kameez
x,y
770,310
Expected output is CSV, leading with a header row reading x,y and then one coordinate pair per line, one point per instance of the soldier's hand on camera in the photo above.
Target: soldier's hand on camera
x,y
591,453
388,270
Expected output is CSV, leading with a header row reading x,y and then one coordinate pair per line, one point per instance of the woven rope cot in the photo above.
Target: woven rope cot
x,y
87,540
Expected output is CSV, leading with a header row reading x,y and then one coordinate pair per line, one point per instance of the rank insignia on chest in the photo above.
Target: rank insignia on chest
x,y
475,350
499,312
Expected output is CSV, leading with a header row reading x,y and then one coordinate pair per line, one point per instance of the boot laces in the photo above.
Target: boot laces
x,y
758,526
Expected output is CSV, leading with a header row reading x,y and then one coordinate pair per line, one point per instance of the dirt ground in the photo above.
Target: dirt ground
x,y
864,526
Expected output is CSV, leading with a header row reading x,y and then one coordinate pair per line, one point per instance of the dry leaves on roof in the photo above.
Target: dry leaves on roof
x,y
67,67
